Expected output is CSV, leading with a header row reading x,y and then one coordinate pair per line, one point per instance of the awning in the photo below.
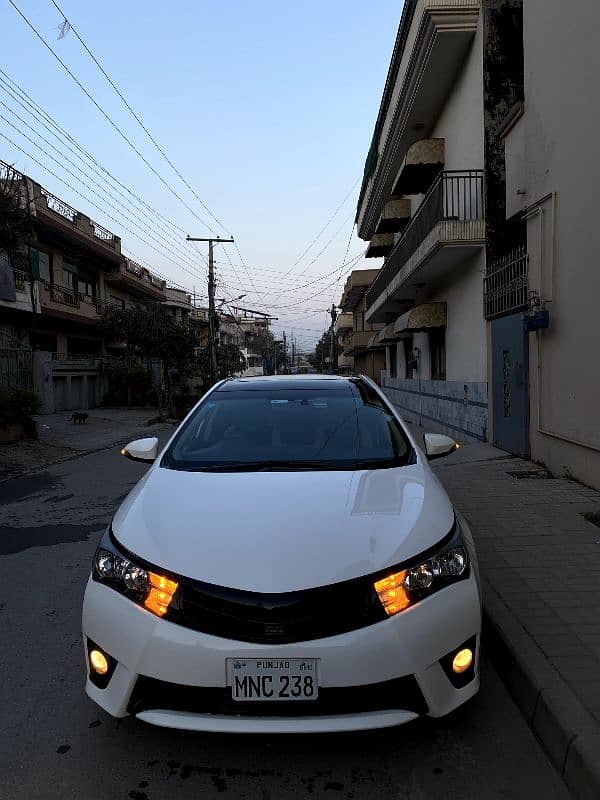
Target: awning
x,y
389,335
423,161
395,215
377,342
380,245
419,318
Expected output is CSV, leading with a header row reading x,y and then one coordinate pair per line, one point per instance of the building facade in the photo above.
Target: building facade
x,y
52,304
551,190
367,356
422,208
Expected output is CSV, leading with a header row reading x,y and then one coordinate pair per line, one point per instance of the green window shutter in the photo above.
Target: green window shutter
x,y
34,260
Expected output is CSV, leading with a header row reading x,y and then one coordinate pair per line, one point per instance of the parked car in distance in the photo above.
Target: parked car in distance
x,y
289,563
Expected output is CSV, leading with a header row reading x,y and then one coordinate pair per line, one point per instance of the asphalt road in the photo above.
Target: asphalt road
x,y
55,743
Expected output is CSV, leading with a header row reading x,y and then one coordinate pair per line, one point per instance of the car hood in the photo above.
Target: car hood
x,y
282,531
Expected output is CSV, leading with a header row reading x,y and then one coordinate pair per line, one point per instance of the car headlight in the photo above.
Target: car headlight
x,y
120,571
405,587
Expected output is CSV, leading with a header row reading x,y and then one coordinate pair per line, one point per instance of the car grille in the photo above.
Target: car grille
x,y
399,694
276,618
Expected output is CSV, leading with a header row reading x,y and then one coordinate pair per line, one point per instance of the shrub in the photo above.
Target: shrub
x,y
17,405
128,384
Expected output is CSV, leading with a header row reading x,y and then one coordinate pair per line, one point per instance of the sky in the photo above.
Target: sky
x,y
266,109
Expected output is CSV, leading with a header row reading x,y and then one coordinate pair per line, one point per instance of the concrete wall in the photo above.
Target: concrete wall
x,y
461,122
466,355
554,149
65,385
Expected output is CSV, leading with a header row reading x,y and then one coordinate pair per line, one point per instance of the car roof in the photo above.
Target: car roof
x,y
278,382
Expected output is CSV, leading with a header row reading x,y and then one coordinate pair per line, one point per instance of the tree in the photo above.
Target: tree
x,y
230,362
321,356
16,226
150,333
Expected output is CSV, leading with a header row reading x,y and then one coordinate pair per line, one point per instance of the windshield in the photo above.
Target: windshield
x,y
339,428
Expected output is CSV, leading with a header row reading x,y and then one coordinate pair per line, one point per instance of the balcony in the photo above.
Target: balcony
x,y
357,342
343,323
433,40
178,298
59,301
23,299
448,226
70,224
137,280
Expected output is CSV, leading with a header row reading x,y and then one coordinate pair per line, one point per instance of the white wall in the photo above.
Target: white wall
x,y
461,121
466,350
555,149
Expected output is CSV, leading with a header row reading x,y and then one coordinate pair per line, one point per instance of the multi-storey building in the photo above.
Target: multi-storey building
x,y
359,341
548,138
421,207
51,306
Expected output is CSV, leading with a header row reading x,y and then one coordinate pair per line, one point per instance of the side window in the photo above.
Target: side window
x,y
408,348
393,361
437,350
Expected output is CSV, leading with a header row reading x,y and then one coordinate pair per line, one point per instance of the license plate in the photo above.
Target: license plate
x,y
268,679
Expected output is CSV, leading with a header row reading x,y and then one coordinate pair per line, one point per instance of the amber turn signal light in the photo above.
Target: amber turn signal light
x,y
160,595
391,592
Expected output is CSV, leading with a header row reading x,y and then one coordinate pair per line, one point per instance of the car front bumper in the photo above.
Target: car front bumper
x,y
396,658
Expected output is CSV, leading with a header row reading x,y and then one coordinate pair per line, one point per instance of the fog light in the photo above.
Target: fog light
x,y
462,661
98,662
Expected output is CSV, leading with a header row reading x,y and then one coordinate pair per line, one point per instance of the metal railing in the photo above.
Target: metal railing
x,y
102,233
454,195
59,206
506,284
21,278
66,297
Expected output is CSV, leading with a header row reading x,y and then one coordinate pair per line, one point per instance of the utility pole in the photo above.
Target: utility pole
x,y
332,348
284,353
213,322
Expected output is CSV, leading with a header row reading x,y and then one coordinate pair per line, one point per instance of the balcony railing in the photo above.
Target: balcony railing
x,y
79,220
454,196
63,296
59,206
21,279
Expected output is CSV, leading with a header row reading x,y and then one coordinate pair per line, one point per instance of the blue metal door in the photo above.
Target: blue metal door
x,y
510,383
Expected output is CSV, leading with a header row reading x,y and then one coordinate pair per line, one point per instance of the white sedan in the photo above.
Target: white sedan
x,y
289,563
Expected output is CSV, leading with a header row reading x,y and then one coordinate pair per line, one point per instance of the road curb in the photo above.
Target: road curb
x,y
567,731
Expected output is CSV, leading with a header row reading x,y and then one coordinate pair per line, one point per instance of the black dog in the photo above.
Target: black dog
x,y
78,417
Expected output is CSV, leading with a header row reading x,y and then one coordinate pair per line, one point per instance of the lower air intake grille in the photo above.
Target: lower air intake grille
x,y
401,694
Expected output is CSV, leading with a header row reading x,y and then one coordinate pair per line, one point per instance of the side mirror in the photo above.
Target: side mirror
x,y
141,449
437,445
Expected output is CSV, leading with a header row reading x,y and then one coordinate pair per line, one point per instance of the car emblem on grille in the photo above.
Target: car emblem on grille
x,y
273,629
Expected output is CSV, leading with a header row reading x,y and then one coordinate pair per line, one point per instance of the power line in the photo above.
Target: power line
x,y
145,129
320,253
104,197
106,116
135,116
39,114
352,261
323,229
73,189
